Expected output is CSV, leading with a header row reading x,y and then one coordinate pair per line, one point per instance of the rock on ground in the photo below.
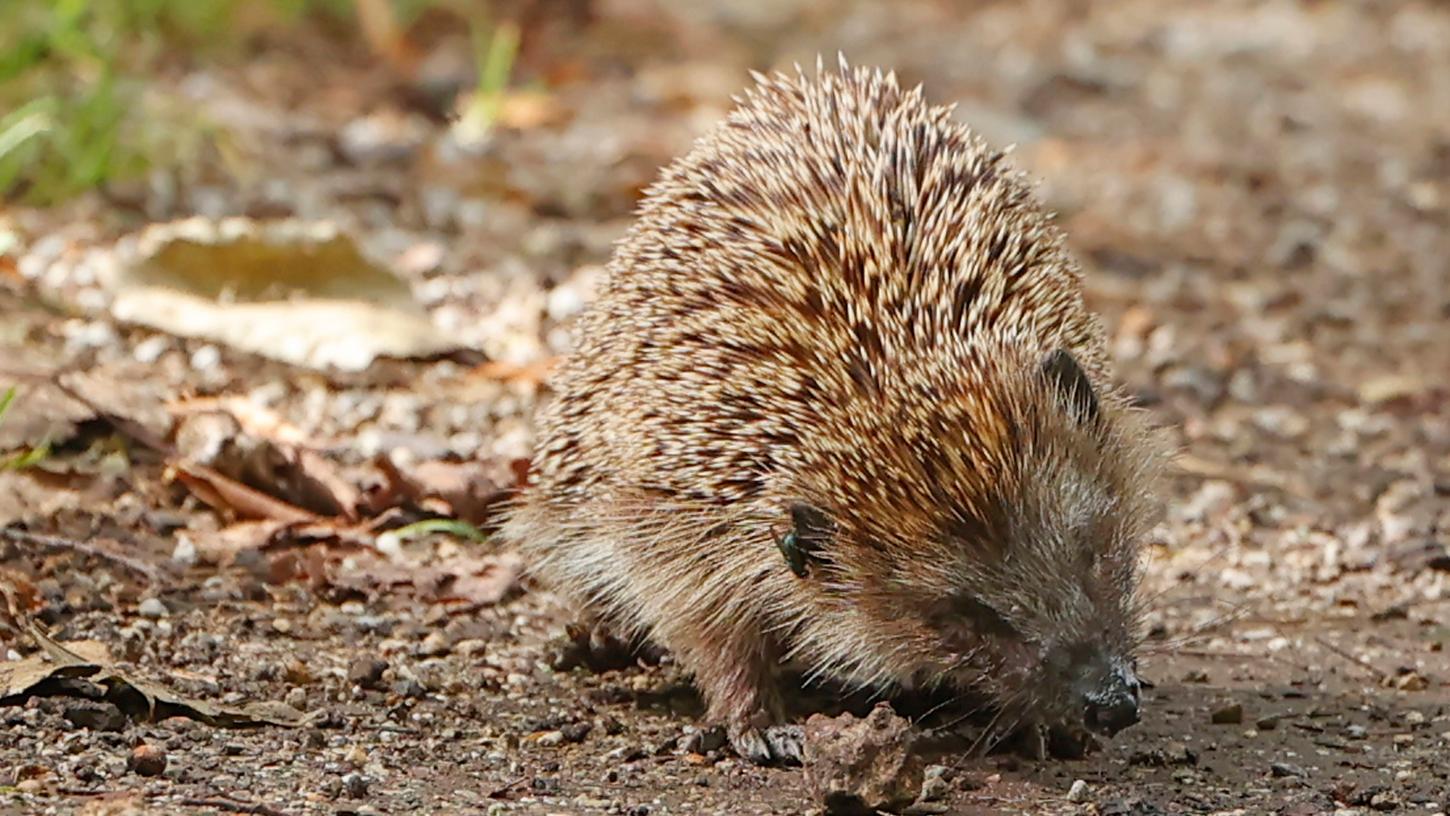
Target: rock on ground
x,y
860,766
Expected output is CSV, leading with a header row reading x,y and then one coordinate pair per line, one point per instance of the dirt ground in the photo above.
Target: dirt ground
x,y
1260,193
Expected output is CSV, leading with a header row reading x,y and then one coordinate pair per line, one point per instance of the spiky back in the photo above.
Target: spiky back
x,y
817,295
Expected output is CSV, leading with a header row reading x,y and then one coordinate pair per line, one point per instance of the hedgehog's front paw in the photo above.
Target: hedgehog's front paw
x,y
772,745
1070,743
1037,741
594,645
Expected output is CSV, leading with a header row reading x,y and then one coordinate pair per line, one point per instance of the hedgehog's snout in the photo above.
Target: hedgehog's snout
x,y
1110,698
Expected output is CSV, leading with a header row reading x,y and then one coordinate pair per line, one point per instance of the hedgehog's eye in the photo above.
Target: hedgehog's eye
x,y
982,617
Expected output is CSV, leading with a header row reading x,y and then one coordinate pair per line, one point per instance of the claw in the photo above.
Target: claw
x,y
1035,742
594,646
750,744
787,743
774,745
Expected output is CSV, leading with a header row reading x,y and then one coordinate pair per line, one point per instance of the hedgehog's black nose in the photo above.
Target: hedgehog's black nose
x,y
1113,705
1110,714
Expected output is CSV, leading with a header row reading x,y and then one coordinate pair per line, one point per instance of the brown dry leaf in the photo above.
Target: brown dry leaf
x,y
533,373
312,551
49,405
463,582
163,703
291,473
480,582
228,495
75,659
26,496
38,412
320,483
298,292
135,696
472,490
223,546
370,575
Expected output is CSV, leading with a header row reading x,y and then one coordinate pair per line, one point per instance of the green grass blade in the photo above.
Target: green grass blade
x,y
462,529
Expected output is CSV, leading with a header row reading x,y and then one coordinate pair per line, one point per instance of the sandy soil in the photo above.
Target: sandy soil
x,y
1258,191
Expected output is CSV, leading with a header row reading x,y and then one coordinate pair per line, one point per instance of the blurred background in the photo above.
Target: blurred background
x,y
280,281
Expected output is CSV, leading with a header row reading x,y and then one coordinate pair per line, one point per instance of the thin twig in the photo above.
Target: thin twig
x,y
84,548
515,784
1355,659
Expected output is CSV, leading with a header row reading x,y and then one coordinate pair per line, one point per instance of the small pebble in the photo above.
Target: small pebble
x,y
206,358
1384,802
296,697
576,732
367,672
147,760
1231,714
551,739
1411,681
355,785
153,609
97,716
434,645
564,302
1284,770
935,789
356,756
184,554
1078,792
297,673
151,349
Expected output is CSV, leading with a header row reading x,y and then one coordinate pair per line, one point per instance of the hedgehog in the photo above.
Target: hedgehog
x,y
839,404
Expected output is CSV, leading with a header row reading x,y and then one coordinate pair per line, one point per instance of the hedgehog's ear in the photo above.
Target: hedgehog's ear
x,y
810,529
1071,384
